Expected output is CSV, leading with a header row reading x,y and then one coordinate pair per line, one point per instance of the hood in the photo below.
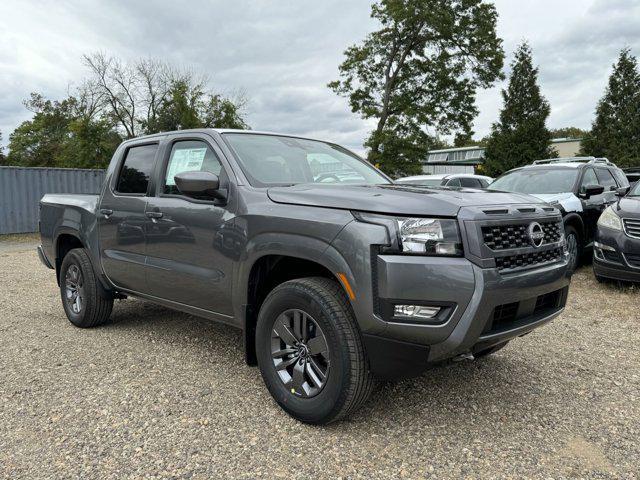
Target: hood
x,y
628,207
394,199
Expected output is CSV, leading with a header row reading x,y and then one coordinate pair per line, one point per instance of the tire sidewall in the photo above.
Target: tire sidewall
x,y
327,403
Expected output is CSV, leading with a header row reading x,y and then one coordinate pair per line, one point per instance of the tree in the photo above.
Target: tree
x,y
67,133
149,96
520,136
2,157
418,74
615,132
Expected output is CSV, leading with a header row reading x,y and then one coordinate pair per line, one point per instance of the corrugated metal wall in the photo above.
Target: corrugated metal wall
x,y
445,169
22,188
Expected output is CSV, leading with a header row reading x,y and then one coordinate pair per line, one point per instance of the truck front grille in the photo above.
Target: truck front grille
x,y
632,227
537,258
504,237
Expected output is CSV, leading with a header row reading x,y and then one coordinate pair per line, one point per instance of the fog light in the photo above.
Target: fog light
x,y
415,311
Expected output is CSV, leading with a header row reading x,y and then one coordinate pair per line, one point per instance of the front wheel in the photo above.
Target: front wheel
x,y
574,247
84,305
310,352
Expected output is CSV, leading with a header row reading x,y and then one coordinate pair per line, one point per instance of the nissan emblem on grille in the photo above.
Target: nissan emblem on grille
x,y
535,234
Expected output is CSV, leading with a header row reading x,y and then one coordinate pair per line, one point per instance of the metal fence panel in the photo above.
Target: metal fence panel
x,y
22,188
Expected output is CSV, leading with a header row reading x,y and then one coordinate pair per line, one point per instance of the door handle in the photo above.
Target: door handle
x,y
154,215
107,212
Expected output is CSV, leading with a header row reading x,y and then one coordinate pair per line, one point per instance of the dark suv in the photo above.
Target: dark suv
x,y
581,187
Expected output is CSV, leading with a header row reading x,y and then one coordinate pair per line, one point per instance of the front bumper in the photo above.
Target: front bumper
x,y
617,257
488,308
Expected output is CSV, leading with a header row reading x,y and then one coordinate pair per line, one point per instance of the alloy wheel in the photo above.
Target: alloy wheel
x,y
572,248
74,289
300,353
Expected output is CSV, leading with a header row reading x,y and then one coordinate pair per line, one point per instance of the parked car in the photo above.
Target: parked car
x,y
447,180
334,280
617,244
633,175
581,187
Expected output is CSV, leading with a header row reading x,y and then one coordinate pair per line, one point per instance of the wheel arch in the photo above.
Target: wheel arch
x,y
272,268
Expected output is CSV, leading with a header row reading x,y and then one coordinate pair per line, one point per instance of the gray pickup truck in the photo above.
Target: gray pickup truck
x,y
336,275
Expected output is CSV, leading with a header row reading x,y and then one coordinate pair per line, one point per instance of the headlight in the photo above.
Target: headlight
x,y
609,219
426,236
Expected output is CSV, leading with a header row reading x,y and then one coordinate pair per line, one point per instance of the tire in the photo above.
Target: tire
x,y
574,245
78,278
342,359
488,351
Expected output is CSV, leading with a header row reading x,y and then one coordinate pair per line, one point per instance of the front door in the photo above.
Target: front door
x,y
187,259
122,219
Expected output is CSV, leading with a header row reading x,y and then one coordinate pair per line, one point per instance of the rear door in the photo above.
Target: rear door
x,y
121,218
191,244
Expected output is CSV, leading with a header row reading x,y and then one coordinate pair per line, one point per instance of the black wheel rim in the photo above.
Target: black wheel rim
x,y
74,289
572,247
300,353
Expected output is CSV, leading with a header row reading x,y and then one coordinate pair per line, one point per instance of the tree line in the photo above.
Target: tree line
x,y
117,100
416,78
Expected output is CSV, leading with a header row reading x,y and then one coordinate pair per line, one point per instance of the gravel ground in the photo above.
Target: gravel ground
x,y
161,394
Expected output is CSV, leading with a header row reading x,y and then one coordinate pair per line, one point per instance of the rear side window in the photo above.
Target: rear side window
x,y
606,179
136,169
470,182
189,156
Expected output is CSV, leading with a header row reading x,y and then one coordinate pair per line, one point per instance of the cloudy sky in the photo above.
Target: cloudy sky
x,y
282,53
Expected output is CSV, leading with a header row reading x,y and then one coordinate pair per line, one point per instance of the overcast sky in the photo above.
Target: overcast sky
x,y
282,53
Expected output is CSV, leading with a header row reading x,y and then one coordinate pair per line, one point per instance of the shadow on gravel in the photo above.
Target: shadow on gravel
x,y
498,386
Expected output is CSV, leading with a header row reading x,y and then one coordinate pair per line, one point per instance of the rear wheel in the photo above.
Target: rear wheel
x,y
574,247
84,305
310,352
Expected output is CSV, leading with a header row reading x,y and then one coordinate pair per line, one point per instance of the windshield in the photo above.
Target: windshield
x,y
431,182
537,181
270,160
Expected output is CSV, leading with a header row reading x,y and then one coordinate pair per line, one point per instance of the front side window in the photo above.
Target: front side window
x,y
136,169
454,182
270,160
606,179
538,181
189,156
589,178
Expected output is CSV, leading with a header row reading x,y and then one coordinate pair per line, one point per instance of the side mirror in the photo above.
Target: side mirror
x,y
622,191
590,190
201,185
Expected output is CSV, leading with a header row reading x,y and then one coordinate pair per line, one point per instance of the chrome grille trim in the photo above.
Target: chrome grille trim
x,y
631,227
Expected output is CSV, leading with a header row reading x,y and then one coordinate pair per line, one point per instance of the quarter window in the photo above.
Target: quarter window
x,y
189,156
136,169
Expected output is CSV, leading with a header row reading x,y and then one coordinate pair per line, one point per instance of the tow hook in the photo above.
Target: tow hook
x,y
464,356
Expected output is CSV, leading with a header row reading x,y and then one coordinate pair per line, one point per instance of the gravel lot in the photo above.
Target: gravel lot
x,y
162,394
